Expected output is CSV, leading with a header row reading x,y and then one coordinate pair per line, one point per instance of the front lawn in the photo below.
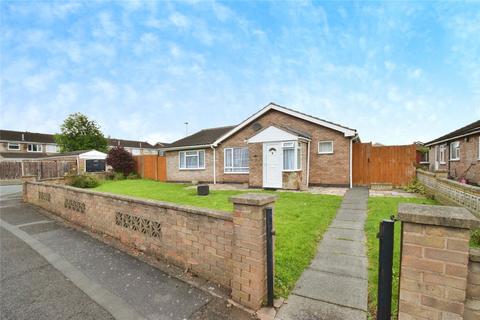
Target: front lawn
x,y
300,220
380,208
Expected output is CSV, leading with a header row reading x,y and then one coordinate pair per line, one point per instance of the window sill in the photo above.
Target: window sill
x,y
236,173
454,160
324,152
192,169
296,170
424,162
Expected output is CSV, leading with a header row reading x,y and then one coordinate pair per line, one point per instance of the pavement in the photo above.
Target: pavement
x,y
334,286
49,270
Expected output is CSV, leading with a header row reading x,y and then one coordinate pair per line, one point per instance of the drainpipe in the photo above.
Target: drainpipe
x,y
214,166
308,163
350,169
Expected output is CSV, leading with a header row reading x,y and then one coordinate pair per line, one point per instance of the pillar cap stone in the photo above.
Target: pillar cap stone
x,y
446,216
253,199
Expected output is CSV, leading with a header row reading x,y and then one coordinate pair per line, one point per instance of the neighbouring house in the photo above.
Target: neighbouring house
x,y
277,147
457,153
22,145
136,148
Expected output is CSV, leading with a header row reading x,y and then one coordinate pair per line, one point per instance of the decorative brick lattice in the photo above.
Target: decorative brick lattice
x,y
450,191
74,205
44,196
145,226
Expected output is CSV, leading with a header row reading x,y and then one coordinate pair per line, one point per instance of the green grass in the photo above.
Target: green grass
x,y
380,208
300,220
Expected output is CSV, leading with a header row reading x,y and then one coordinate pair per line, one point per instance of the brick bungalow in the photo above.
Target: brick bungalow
x,y
277,147
457,153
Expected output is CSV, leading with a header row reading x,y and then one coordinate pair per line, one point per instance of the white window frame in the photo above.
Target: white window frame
x,y
297,155
13,144
325,141
441,154
39,147
196,155
457,149
246,170
57,148
478,147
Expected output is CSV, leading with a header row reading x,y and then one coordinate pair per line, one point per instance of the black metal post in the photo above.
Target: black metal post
x,y
270,233
385,263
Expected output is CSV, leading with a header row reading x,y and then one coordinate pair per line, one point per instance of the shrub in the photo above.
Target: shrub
x,y
118,176
475,238
84,181
133,176
415,186
121,160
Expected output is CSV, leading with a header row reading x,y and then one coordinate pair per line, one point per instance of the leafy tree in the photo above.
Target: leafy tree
x,y
80,133
121,160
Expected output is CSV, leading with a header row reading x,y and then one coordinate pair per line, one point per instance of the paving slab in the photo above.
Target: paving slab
x,y
329,287
347,224
302,308
335,284
342,246
348,234
341,264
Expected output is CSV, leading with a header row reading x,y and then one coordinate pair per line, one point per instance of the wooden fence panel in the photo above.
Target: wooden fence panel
x,y
151,167
42,169
385,164
10,170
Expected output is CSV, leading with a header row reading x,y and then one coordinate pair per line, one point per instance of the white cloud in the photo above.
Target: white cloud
x,y
415,73
390,66
39,82
179,20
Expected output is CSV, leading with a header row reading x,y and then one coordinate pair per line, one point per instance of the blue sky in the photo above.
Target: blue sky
x,y
396,71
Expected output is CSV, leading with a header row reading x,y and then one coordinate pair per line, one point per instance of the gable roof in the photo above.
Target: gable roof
x,y
348,132
469,129
25,136
202,138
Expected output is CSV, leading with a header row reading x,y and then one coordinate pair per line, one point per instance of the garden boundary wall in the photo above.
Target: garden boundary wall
x,y
223,247
450,192
439,276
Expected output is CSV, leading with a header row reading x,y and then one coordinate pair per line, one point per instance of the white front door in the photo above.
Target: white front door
x,y
272,165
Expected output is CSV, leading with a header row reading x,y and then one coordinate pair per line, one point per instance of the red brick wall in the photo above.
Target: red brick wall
x,y
220,246
468,156
174,173
324,169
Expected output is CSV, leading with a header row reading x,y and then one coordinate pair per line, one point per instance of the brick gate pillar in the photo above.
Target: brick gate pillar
x,y
434,262
249,283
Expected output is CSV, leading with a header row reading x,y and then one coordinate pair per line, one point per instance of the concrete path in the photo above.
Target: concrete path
x,y
50,271
335,285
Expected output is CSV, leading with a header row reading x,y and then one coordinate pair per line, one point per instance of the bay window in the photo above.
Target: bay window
x,y
191,160
291,156
455,150
236,160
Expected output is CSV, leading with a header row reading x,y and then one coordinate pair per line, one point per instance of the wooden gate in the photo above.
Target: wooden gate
x,y
393,165
151,167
